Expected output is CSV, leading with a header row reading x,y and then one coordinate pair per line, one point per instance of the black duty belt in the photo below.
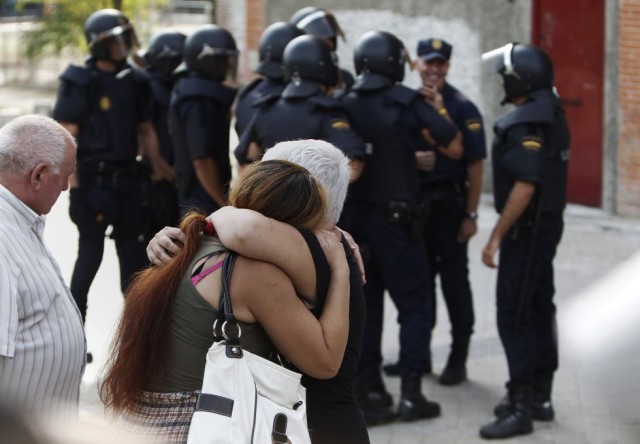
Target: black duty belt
x,y
127,168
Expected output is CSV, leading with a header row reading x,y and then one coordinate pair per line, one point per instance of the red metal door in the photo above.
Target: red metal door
x,y
572,32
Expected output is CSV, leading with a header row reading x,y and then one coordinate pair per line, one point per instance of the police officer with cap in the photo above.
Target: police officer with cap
x,y
200,118
450,196
322,23
530,156
106,105
391,119
272,81
303,111
161,58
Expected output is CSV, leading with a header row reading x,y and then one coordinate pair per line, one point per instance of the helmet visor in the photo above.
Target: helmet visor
x,y
500,60
220,64
124,31
322,24
118,47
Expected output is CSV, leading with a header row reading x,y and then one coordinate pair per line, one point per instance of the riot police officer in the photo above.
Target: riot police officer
x,y
106,105
303,111
530,155
200,118
322,23
271,48
162,57
391,118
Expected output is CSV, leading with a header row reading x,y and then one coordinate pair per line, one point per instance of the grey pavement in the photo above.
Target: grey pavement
x,y
597,390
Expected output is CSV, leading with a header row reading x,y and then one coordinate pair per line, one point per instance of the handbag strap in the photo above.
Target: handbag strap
x,y
226,310
228,330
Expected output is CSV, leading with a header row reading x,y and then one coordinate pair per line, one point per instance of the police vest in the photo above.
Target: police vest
x,y
386,118
246,106
302,117
208,102
107,107
540,127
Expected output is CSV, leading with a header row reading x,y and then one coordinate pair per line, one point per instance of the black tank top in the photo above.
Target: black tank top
x,y
333,415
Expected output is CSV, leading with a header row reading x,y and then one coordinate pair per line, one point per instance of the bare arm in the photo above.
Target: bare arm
x,y
469,226
455,149
207,174
263,293
254,153
517,202
253,235
148,140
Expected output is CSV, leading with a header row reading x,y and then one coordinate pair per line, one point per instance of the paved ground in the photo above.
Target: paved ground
x,y
597,392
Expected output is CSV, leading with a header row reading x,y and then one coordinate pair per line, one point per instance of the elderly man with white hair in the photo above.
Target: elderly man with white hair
x,y
42,342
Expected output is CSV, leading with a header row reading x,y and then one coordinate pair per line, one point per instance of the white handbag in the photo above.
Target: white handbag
x,y
246,398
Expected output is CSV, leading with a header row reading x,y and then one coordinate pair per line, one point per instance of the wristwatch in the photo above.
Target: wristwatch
x,y
472,215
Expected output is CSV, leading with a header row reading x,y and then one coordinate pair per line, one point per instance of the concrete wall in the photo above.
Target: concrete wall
x,y
611,108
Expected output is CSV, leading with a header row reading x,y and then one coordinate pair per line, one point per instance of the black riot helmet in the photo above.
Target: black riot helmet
x,y
318,22
272,43
110,35
211,51
379,59
165,51
309,63
524,69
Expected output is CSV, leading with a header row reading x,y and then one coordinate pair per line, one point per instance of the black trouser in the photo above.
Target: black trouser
x,y
164,210
102,200
531,346
445,212
394,261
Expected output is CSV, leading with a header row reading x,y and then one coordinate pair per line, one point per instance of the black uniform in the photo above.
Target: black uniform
x,y
107,107
390,120
313,116
163,196
444,193
246,106
200,118
531,145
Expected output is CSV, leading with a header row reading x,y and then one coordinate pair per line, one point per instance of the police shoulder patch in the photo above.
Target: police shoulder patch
x,y
105,103
474,125
340,124
532,143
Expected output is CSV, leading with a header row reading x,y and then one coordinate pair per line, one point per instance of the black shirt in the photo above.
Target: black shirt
x,y
332,413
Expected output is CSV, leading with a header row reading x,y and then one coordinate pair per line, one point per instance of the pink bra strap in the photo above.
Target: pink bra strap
x,y
203,274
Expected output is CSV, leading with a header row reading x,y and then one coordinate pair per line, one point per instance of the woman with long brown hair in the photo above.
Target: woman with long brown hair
x,y
158,354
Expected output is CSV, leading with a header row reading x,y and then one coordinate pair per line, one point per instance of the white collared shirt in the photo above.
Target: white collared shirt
x,y
42,342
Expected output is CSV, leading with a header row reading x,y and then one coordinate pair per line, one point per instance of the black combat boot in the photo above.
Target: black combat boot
x,y
455,372
541,406
374,401
413,405
517,420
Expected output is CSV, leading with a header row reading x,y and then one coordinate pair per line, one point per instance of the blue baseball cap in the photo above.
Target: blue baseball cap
x,y
431,49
